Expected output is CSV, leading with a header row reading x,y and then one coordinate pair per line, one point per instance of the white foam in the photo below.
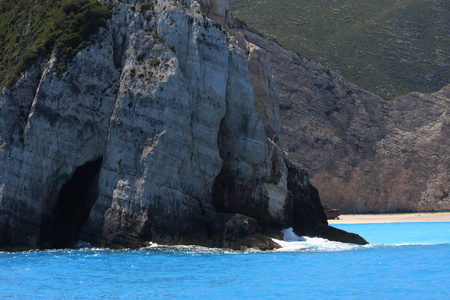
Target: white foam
x,y
290,236
189,249
291,243
294,243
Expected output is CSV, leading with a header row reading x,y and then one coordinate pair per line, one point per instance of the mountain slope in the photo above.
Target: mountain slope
x,y
387,47
364,154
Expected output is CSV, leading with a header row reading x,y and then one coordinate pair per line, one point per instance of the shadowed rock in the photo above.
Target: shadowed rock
x,y
189,153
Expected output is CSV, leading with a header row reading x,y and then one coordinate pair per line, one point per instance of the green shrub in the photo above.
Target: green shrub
x,y
30,29
148,6
140,57
155,62
132,73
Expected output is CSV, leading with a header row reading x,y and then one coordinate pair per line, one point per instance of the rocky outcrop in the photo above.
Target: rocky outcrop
x,y
218,11
151,135
364,154
242,232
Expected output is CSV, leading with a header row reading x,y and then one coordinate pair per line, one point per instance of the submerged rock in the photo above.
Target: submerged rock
x,y
154,133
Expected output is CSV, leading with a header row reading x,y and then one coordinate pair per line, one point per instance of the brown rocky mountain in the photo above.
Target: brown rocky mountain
x,y
363,154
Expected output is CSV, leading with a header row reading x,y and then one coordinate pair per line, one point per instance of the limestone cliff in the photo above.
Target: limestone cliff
x,y
154,133
364,154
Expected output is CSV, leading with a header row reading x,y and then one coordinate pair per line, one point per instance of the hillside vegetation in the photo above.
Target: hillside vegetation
x,y
33,28
389,47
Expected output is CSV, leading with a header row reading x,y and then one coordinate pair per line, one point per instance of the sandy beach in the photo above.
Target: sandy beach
x,y
392,218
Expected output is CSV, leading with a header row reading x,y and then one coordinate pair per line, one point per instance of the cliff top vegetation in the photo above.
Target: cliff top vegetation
x,y
389,47
33,28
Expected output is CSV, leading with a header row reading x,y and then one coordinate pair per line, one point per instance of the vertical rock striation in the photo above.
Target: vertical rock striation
x,y
153,134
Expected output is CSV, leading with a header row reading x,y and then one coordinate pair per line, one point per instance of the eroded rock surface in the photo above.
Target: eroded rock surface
x,y
153,134
364,154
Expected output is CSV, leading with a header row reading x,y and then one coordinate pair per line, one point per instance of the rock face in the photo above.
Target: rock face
x,y
153,134
364,154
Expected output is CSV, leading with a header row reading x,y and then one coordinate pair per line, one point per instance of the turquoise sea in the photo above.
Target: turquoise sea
x,y
404,261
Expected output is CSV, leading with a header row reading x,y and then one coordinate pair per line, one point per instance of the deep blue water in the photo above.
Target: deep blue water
x,y
404,261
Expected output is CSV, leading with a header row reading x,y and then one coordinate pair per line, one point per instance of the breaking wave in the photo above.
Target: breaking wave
x,y
379,235
291,243
294,243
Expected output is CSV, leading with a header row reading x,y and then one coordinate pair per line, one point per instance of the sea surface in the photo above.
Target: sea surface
x,y
403,261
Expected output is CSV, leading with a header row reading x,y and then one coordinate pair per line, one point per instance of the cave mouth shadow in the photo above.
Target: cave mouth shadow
x,y
62,227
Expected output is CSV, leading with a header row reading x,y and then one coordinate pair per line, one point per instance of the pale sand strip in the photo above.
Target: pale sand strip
x,y
392,218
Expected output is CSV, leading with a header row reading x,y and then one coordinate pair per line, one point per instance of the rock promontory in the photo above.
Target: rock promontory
x,y
164,129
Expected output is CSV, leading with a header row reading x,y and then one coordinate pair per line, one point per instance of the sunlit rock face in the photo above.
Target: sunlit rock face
x,y
164,129
364,154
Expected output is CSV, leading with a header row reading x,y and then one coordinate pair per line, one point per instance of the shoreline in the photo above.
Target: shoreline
x,y
391,218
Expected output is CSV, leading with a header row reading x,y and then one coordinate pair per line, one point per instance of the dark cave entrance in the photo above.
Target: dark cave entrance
x,y
62,227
